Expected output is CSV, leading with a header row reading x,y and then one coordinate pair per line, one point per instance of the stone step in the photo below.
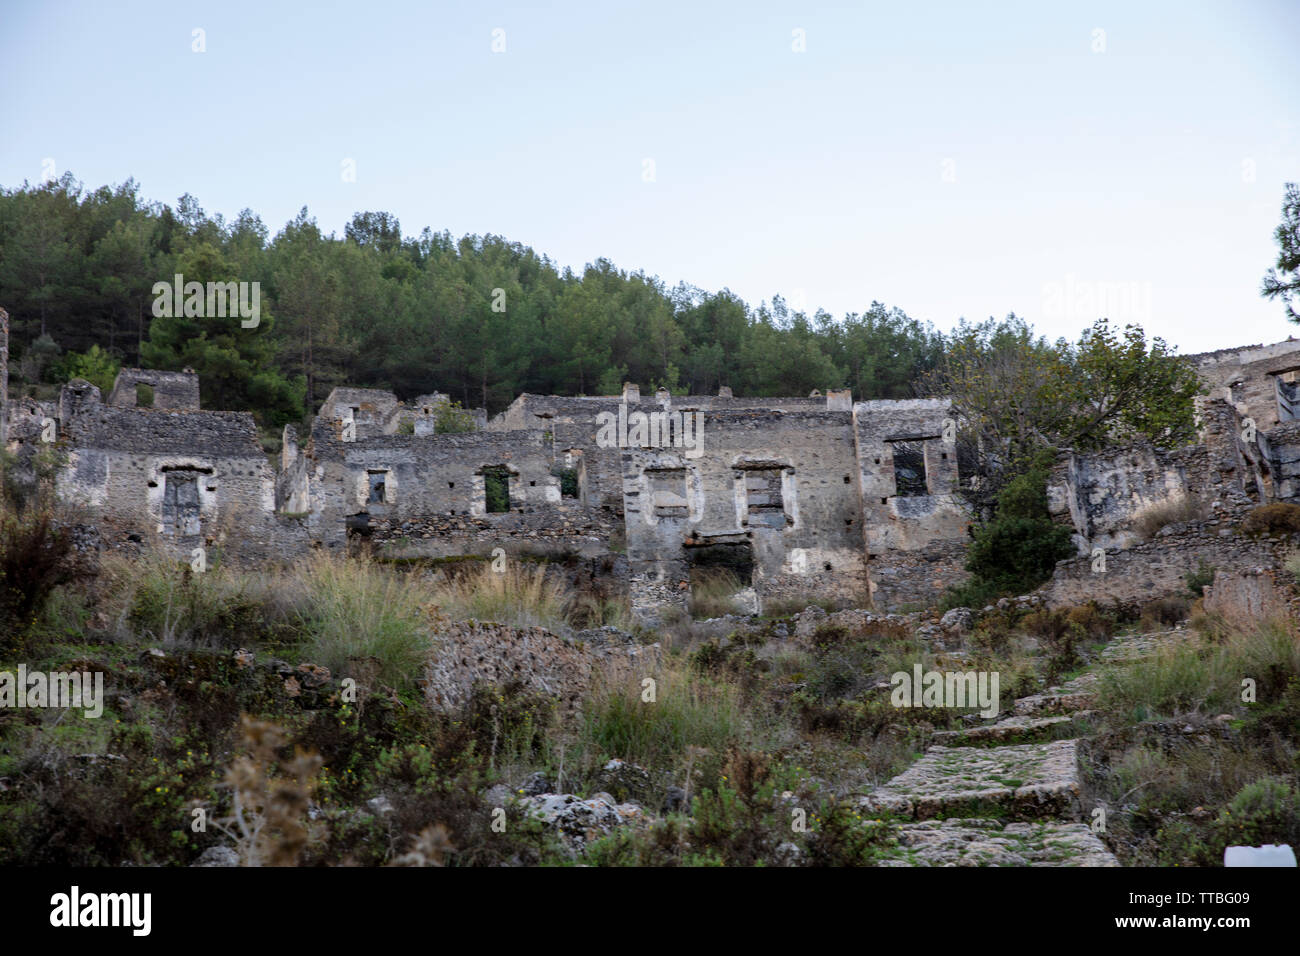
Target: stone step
x,y
1015,730
1045,705
982,842
1021,782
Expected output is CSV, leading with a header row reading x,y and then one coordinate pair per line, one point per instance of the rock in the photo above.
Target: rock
x,y
217,856
497,796
787,854
313,676
243,658
622,778
379,805
535,785
578,821
676,801
958,620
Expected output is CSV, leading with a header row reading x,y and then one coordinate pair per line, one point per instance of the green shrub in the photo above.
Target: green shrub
x,y
1198,580
1019,548
1266,811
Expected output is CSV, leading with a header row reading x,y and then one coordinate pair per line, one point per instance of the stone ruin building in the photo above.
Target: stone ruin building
x,y
820,497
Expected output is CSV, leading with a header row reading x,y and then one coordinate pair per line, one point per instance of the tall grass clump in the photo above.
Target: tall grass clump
x,y
35,546
1193,677
1175,510
162,599
690,713
519,595
357,611
713,594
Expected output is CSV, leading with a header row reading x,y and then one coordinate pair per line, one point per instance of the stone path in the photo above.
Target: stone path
x,y
1007,793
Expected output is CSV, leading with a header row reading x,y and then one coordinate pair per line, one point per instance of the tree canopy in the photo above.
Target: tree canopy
x,y
483,319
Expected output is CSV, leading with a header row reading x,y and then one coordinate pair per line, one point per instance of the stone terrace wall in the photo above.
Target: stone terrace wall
x,y
496,655
1158,568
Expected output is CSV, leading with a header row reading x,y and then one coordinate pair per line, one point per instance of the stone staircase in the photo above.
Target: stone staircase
x,y
1006,793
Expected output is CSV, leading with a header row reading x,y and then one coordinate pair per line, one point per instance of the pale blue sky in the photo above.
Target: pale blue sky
x,y
1123,175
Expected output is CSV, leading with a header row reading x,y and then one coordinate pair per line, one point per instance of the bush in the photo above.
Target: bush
x,y
167,602
1175,680
1278,518
1185,678
1198,580
1266,811
1019,548
689,711
34,560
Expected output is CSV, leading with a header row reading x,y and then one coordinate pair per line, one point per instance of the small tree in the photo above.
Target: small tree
x,y
450,418
96,366
1284,281
1018,548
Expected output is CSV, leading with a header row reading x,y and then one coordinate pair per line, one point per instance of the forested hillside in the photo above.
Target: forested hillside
x,y
413,313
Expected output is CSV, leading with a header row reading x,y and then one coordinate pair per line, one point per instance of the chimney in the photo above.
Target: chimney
x,y
631,393
663,397
839,399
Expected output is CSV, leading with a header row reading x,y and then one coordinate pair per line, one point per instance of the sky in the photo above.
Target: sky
x,y
1060,160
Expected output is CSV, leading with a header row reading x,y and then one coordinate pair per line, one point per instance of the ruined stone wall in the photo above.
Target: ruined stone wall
x,y
1250,375
181,479
915,524
435,485
471,653
1280,447
779,484
1106,490
1251,594
1159,567
372,411
528,411
172,391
